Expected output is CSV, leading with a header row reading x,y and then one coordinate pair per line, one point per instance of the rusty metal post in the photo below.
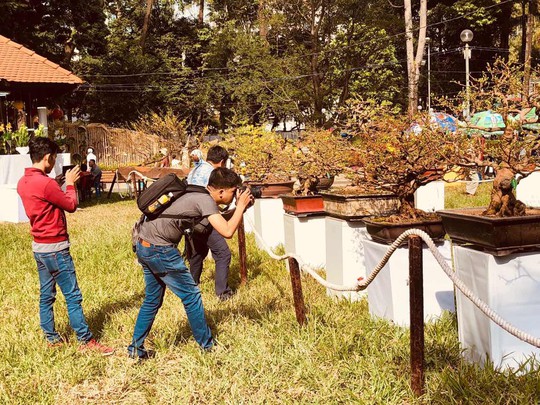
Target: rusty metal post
x,y
112,184
416,300
242,252
134,184
298,296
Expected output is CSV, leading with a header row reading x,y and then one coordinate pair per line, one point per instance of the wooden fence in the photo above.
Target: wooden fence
x,y
114,147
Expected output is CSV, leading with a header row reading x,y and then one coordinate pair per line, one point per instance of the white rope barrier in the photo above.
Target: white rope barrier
x,y
363,284
137,173
470,181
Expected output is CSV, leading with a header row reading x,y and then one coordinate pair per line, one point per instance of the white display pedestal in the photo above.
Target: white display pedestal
x,y
268,213
11,208
527,190
249,219
306,237
388,294
510,285
430,197
345,255
11,170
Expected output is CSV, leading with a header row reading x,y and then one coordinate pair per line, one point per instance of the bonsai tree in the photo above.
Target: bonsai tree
x,y
318,153
260,155
391,155
514,155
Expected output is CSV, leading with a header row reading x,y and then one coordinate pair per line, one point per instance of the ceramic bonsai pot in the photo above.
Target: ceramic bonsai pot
x,y
324,183
302,204
387,232
497,235
350,206
273,190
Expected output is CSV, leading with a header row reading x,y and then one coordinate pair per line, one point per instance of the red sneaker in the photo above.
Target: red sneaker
x,y
55,345
93,344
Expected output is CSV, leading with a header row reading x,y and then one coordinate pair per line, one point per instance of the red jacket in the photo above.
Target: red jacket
x,y
44,203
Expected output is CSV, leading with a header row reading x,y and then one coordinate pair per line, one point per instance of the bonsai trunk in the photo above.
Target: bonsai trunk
x,y
406,208
503,203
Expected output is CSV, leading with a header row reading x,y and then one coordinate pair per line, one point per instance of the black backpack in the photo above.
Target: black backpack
x,y
158,196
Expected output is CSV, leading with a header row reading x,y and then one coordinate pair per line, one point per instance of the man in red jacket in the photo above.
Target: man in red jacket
x,y
45,203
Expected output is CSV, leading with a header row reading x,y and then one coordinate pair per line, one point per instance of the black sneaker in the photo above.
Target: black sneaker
x,y
226,296
143,356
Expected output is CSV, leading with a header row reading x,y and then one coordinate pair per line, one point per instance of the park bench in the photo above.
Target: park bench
x,y
108,177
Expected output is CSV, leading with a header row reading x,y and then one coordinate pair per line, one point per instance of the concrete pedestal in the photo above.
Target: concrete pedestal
x,y
268,215
527,190
249,219
306,237
11,170
430,197
345,254
388,294
510,285
11,208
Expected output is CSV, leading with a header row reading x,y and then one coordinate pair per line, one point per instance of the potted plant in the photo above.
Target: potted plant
x,y
263,157
21,137
318,157
506,225
6,136
395,158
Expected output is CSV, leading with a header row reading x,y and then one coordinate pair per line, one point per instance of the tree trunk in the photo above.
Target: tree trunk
x,y
523,31
503,203
316,21
527,56
146,22
201,12
414,61
261,16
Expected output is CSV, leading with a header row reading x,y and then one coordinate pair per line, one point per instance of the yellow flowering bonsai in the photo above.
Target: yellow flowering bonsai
x,y
318,153
262,156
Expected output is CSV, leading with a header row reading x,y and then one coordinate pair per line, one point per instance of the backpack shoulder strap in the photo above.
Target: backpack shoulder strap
x,y
192,188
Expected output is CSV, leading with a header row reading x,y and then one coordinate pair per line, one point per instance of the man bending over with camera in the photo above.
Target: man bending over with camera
x,y
162,263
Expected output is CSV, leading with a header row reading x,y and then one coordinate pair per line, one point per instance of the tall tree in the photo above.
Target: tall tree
x,y
59,28
414,60
146,22
201,12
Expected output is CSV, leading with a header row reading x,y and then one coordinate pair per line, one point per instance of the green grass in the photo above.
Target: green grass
x,y
456,197
341,356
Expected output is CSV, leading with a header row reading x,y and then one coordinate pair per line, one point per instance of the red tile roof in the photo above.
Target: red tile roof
x,y
20,64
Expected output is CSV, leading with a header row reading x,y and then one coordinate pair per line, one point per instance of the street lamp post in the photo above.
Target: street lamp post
x,y
428,42
467,36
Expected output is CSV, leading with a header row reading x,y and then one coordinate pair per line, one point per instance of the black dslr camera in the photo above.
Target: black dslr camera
x,y
256,191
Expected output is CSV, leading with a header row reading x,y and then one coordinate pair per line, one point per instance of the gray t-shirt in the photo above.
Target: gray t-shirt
x,y
168,231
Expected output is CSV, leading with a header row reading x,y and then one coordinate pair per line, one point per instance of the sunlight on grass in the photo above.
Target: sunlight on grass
x,y
456,197
341,356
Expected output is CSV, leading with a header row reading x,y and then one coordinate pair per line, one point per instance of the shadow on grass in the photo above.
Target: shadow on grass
x,y
215,317
97,318
103,200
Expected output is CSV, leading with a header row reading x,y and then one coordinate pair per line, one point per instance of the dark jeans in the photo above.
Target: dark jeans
x,y
57,268
163,266
221,254
97,185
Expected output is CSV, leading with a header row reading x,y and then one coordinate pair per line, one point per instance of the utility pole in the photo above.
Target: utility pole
x,y
428,42
467,36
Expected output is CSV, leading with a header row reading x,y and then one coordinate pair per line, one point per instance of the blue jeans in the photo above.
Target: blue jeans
x,y
163,266
57,268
